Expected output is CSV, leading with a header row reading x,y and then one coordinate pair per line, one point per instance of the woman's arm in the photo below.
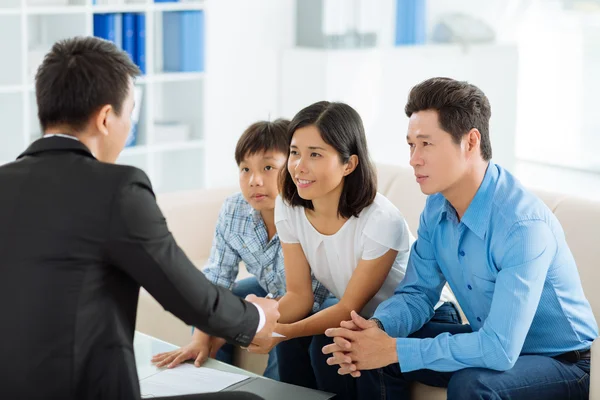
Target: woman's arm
x,y
366,280
298,299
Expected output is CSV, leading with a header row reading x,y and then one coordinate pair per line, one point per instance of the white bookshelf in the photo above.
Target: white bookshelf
x,y
168,97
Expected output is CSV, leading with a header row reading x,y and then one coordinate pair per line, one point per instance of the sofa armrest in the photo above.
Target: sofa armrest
x,y
595,371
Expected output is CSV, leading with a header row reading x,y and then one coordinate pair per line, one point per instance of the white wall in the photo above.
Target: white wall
x,y
377,82
244,44
244,80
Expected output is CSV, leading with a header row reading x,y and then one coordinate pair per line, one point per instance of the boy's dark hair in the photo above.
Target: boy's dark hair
x,y
341,127
460,106
263,136
78,77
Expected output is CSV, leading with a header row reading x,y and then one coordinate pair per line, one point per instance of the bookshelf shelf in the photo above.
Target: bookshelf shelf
x,y
170,102
55,10
177,76
177,146
8,89
10,11
186,6
121,8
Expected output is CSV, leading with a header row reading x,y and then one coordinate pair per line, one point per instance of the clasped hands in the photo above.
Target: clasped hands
x,y
358,345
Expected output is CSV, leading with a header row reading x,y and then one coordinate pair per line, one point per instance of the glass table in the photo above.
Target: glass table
x,y
146,346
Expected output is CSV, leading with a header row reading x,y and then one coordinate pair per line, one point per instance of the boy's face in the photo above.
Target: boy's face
x,y
259,174
439,163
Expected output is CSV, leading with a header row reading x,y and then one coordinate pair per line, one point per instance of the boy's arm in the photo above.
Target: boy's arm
x,y
223,264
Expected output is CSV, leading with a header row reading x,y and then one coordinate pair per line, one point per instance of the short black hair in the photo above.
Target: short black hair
x,y
341,127
79,76
263,136
461,107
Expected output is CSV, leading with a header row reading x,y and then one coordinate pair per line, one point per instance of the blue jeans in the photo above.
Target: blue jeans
x,y
302,362
242,289
532,377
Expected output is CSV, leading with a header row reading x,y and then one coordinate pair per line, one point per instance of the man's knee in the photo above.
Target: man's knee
x,y
472,383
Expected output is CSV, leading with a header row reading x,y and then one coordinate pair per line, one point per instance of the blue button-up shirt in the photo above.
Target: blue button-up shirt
x,y
241,235
512,272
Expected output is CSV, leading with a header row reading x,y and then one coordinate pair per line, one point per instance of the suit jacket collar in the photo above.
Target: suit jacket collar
x,y
56,143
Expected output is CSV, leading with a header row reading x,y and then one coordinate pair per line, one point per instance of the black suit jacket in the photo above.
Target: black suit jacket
x,y
77,239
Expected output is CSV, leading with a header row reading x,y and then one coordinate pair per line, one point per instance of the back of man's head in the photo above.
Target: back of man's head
x,y
78,77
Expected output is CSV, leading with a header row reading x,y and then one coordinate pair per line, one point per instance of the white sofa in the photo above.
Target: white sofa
x,y
192,216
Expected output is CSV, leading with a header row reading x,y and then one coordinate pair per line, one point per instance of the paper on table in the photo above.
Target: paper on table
x,y
187,379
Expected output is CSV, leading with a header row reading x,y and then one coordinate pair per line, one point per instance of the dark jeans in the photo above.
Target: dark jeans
x,y
302,362
242,289
532,377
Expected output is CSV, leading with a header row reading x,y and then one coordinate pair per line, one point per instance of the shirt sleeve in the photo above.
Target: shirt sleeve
x,y
529,250
283,223
385,230
412,304
223,264
140,245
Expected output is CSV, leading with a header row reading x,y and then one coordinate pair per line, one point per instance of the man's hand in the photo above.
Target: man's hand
x,y
361,345
271,309
198,350
265,345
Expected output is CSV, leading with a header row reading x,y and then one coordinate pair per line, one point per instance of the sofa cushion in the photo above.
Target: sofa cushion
x,y
192,217
580,220
386,174
406,194
549,198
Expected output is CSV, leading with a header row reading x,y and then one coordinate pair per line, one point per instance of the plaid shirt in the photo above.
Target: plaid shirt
x,y
241,235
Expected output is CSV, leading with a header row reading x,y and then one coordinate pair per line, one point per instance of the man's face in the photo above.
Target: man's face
x,y
439,163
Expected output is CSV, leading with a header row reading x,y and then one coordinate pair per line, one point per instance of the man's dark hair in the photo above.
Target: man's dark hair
x,y
263,136
460,107
78,77
341,127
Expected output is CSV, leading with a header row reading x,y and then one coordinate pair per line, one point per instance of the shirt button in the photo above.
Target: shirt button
x,y
470,288
462,253
478,319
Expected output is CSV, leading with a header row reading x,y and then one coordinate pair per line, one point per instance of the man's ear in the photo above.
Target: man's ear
x,y
101,119
473,141
351,165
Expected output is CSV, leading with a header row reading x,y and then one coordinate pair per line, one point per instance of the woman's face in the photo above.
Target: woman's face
x,y
315,166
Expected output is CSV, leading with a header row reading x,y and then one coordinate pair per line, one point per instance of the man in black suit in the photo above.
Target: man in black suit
x,y
79,235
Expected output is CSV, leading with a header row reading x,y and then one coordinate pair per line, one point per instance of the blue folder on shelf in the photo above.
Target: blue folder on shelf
x,y
183,41
410,22
105,26
140,42
129,35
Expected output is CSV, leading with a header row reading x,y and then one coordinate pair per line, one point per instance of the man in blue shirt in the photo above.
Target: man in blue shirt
x,y
505,257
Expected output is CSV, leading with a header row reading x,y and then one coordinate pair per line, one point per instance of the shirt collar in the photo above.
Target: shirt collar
x,y
476,217
60,135
56,143
255,215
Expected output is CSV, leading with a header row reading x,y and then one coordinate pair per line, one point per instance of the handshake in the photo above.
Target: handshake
x,y
270,307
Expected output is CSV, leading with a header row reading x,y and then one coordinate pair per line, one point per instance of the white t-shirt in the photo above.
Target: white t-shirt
x,y
333,258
